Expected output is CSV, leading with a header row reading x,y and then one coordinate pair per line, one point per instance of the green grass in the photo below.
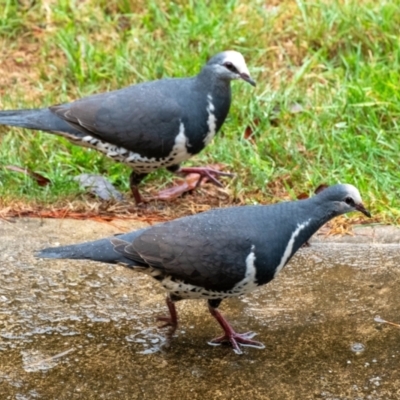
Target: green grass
x,y
338,60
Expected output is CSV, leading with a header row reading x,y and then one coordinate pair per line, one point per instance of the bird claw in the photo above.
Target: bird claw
x,y
205,172
168,323
236,340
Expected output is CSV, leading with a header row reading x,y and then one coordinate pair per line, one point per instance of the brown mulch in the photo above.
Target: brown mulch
x,y
153,211
202,199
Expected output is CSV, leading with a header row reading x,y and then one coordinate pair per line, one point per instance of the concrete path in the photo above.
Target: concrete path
x,y
81,330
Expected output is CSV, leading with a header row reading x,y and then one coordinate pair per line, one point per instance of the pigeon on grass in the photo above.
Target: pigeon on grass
x,y
150,125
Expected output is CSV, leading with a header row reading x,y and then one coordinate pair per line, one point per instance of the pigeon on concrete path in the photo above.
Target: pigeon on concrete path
x,y
221,253
149,125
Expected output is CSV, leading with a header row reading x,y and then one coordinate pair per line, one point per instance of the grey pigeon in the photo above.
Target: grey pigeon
x,y
149,125
221,253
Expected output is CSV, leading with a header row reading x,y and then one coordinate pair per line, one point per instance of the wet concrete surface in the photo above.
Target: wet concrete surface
x,y
81,330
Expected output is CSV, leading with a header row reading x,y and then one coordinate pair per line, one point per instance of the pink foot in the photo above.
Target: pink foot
x,y
205,172
230,336
237,340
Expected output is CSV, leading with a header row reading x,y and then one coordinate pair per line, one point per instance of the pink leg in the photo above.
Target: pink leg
x,y
205,172
136,195
134,181
230,336
170,321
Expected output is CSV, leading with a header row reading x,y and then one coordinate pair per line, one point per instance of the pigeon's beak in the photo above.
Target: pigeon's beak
x,y
361,208
247,78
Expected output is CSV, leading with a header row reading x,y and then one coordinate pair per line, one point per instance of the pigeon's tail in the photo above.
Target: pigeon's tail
x,y
39,119
99,250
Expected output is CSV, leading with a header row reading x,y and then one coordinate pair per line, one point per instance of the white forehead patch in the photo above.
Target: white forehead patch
x,y
353,192
237,60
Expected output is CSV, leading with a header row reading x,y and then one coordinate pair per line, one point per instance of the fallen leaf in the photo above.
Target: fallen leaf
x,y
248,132
99,186
295,108
40,179
302,196
320,188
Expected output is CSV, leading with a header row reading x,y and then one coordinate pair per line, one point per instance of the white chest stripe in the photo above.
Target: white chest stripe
x,y
211,121
289,247
248,283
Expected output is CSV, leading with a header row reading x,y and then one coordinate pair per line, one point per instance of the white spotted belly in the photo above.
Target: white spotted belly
x,y
138,162
187,291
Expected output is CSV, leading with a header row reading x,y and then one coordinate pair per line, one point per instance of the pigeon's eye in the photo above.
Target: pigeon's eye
x,y
349,201
230,66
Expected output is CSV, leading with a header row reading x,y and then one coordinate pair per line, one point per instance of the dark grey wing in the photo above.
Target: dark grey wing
x,y
100,250
125,248
140,118
191,252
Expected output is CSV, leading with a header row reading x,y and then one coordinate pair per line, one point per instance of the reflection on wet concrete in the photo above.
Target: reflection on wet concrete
x,y
80,330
